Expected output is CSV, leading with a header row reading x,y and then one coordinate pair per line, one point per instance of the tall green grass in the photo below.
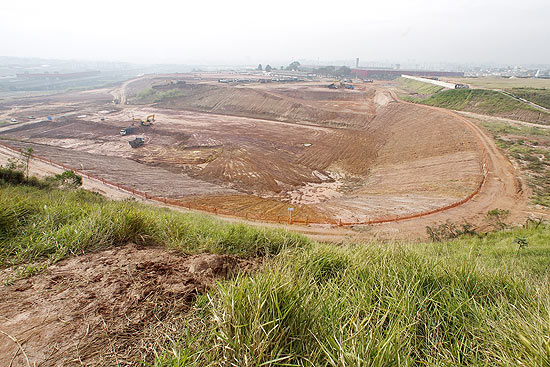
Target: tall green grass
x,y
469,302
473,301
50,224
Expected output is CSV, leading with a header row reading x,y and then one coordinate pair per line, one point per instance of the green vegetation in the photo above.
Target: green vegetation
x,y
48,224
481,301
460,99
151,95
419,87
537,96
530,148
485,102
145,94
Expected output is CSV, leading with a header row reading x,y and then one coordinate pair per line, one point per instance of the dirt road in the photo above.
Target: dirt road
x,y
502,188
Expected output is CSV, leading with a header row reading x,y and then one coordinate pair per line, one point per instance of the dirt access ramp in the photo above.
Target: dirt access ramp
x,y
109,308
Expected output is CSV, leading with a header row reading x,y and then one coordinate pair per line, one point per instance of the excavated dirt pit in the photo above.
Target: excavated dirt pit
x,y
106,308
254,150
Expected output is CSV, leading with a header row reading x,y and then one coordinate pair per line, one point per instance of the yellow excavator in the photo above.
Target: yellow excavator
x,y
147,122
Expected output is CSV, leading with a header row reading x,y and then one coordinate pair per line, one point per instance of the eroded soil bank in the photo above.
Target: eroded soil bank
x,y
105,308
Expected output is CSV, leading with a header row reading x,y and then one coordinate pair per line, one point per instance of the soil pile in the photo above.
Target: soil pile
x,y
106,308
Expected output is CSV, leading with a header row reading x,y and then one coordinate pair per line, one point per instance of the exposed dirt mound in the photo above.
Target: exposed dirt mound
x,y
106,308
300,106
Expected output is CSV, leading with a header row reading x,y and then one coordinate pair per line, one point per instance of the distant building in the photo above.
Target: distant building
x,y
373,73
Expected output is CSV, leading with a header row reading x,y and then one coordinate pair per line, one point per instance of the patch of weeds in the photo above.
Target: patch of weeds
x,y
497,218
449,230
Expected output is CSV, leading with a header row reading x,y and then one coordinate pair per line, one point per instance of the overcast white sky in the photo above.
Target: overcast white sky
x,y
275,31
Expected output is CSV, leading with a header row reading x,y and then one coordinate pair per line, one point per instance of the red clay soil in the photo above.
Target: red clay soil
x,y
107,308
350,156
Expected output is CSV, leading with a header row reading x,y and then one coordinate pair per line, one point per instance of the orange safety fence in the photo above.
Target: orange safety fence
x,y
281,220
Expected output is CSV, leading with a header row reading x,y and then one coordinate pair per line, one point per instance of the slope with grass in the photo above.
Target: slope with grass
x,y
538,96
474,301
477,300
95,282
486,102
419,87
42,224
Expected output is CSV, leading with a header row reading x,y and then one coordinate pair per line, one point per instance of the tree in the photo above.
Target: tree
x,y
260,67
69,179
326,70
344,71
294,65
268,68
27,155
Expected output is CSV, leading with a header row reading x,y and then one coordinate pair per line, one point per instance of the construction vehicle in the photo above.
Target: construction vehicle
x,y
137,142
147,122
127,130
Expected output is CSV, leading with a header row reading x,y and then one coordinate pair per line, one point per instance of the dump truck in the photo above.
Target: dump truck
x,y
137,142
127,130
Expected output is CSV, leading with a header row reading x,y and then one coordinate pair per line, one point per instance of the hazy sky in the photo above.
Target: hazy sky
x,y
275,31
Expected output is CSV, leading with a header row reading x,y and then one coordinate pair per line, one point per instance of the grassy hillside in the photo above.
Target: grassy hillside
x,y
538,96
419,87
49,224
478,300
486,102
473,301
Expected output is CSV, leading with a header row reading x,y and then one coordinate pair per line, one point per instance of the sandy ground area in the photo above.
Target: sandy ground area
x,y
108,308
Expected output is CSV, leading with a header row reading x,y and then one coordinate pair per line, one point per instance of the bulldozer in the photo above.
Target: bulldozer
x,y
147,122
137,142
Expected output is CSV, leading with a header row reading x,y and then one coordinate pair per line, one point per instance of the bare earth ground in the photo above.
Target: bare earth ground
x,y
254,150
106,308
378,156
